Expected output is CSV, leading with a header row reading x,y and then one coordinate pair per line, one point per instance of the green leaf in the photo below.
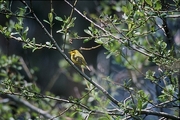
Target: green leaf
x,y
7,33
150,75
163,45
85,40
34,49
26,30
88,32
149,2
1,27
18,27
139,13
125,10
99,41
58,18
50,16
7,16
139,105
158,5
46,21
48,43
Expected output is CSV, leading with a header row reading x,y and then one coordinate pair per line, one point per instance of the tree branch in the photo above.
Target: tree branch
x,y
162,114
71,63
29,105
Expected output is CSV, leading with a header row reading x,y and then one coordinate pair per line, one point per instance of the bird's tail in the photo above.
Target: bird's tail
x,y
88,68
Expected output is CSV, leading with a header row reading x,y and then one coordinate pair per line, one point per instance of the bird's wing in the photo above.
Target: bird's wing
x,y
79,60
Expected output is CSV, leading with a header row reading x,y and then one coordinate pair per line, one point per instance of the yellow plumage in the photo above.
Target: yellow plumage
x,y
78,59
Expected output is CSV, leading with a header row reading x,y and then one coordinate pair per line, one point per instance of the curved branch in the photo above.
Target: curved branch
x,y
29,105
116,102
162,114
36,95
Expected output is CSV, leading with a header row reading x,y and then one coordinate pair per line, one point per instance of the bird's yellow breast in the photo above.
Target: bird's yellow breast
x,y
77,57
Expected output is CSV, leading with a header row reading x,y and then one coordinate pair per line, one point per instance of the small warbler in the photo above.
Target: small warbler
x,y
78,59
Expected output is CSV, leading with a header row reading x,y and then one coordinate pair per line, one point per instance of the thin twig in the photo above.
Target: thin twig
x,y
11,14
26,69
94,47
61,113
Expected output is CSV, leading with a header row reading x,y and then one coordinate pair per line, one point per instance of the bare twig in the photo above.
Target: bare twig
x,y
91,37
172,16
94,47
161,114
26,69
61,113
86,118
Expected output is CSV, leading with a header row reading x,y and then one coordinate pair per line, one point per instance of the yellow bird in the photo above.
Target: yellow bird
x,y
78,59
